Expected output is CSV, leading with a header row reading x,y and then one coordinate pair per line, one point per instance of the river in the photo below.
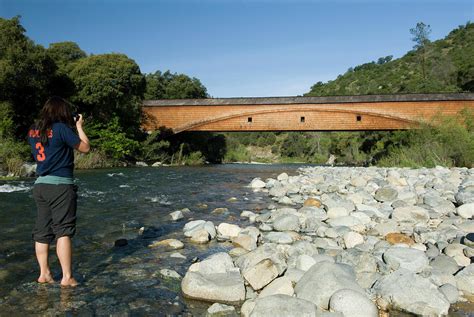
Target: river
x,y
115,204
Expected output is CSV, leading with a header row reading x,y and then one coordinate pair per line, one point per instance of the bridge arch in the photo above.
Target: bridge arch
x,y
196,125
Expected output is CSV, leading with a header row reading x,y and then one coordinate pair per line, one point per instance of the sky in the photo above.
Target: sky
x,y
241,48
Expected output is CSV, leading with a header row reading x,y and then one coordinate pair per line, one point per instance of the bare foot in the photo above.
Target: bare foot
x,y
70,282
46,279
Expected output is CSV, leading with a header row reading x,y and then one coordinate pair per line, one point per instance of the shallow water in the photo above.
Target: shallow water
x,y
114,204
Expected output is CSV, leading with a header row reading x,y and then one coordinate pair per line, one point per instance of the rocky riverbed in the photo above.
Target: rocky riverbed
x,y
341,241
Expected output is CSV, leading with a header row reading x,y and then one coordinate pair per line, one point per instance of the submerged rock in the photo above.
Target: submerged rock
x,y
120,243
171,244
177,215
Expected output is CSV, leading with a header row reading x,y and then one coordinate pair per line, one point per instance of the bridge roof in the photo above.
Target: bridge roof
x,y
308,100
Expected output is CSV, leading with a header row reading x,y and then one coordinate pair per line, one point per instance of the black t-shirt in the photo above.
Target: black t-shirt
x,y
57,157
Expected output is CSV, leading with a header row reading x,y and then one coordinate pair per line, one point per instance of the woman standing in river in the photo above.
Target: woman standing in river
x,y
52,142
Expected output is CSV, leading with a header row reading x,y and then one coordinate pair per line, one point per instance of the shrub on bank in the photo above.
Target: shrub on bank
x,y
237,153
194,159
448,141
13,154
94,159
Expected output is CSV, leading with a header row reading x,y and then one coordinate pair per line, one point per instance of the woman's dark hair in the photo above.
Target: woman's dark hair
x,y
56,109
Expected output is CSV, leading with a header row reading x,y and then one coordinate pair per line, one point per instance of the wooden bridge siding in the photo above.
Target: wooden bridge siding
x,y
341,116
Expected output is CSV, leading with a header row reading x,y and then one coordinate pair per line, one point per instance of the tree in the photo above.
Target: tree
x,y
173,86
64,53
421,35
26,73
108,86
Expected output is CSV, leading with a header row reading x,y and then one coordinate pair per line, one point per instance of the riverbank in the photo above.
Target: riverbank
x,y
346,240
130,218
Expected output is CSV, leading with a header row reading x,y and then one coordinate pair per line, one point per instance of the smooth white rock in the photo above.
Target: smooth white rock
x,y
216,263
336,212
219,287
257,183
466,211
450,292
411,214
352,304
228,230
406,258
407,291
304,262
465,280
261,274
283,306
170,273
282,285
351,239
321,281
221,310
176,215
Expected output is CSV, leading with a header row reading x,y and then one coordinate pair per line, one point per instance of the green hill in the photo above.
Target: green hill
x,y
449,67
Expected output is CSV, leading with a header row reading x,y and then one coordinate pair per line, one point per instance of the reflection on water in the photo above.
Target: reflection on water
x,y
115,204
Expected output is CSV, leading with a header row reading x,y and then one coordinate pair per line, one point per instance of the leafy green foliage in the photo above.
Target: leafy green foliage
x,y
111,140
26,73
194,158
448,63
154,147
173,86
65,53
6,120
109,85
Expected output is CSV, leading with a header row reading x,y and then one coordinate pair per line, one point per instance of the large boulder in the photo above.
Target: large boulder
x,y
217,287
406,291
195,227
407,258
465,280
282,285
262,265
321,281
214,279
352,304
412,214
261,274
283,306
217,263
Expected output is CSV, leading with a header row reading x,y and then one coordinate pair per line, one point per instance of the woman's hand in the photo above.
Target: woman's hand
x,y
79,121
83,146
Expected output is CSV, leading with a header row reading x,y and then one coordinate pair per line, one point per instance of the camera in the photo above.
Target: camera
x,y
75,116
